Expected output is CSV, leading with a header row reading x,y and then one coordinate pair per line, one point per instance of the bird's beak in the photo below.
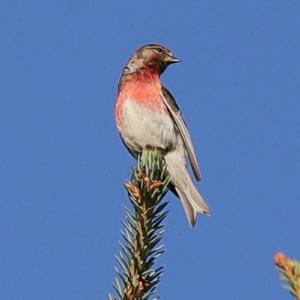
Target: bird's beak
x,y
171,59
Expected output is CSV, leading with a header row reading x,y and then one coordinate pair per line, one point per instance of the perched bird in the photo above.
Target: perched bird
x,y
147,115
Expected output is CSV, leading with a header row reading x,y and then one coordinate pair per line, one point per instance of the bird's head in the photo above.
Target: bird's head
x,y
152,58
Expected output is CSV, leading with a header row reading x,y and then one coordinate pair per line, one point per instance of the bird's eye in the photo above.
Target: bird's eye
x,y
158,50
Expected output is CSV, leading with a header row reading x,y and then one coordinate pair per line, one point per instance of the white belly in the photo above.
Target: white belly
x,y
142,128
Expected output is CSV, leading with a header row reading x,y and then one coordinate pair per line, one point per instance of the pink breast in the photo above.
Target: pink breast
x,y
145,92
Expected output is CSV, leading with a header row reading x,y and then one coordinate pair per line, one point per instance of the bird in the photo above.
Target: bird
x,y
146,114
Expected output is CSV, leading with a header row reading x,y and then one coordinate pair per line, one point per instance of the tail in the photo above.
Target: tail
x,y
190,197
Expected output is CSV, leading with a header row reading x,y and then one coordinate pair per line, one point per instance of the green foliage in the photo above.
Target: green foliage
x,y
290,273
137,276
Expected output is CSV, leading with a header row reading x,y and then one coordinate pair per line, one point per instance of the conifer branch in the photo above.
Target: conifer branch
x,y
290,272
137,276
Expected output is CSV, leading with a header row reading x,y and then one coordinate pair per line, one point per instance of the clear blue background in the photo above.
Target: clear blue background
x,y
63,165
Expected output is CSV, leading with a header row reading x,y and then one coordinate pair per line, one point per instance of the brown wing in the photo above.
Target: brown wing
x,y
183,130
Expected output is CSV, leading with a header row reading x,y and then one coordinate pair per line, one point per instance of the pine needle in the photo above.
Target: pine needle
x,y
143,229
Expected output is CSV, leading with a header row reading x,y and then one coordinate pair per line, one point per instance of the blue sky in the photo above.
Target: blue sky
x,y
63,166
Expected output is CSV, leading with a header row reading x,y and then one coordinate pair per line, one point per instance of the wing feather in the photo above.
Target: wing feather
x,y
183,130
